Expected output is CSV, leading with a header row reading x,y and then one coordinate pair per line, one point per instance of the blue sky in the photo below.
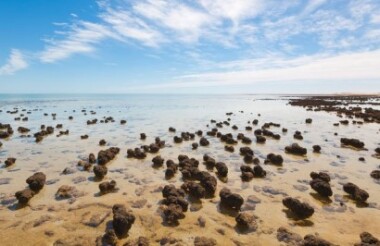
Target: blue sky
x,y
199,46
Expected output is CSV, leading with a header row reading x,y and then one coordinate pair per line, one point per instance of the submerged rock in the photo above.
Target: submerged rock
x,y
246,222
66,191
288,237
204,241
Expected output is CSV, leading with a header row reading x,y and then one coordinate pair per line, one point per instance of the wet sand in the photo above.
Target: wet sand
x,y
47,220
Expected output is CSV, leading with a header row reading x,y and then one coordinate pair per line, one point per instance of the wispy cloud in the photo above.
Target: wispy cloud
x,y
16,62
81,38
260,37
124,24
359,66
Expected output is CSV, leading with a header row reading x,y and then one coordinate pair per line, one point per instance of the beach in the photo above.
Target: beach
x,y
81,213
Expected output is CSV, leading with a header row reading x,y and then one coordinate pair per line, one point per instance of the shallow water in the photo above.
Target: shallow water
x,y
139,183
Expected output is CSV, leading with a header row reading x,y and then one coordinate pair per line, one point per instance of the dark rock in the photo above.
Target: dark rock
x,y
123,122
204,142
208,182
68,170
295,149
274,159
100,171
37,181
24,196
260,139
246,222
23,130
91,158
367,239
142,136
194,145
298,208
194,189
290,238
204,241
106,187
322,187
375,174
172,129
109,238
66,191
246,150
4,135
102,142
230,200
377,150
258,171
298,135
321,175
352,142
222,169
140,241
105,156
177,139
356,193
122,220
311,240
229,148
158,161
308,121
10,161
316,148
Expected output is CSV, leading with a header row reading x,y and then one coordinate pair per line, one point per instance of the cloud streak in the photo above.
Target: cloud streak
x,y
81,39
15,62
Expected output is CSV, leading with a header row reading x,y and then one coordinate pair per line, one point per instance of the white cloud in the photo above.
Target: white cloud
x,y
80,39
235,10
16,62
312,6
360,66
188,22
375,18
128,26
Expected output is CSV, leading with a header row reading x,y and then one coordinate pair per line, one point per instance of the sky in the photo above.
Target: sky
x,y
184,46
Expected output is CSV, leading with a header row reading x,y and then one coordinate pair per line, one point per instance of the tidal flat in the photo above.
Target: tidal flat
x,y
189,170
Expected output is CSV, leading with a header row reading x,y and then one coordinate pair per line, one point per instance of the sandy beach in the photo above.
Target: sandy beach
x,y
231,173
